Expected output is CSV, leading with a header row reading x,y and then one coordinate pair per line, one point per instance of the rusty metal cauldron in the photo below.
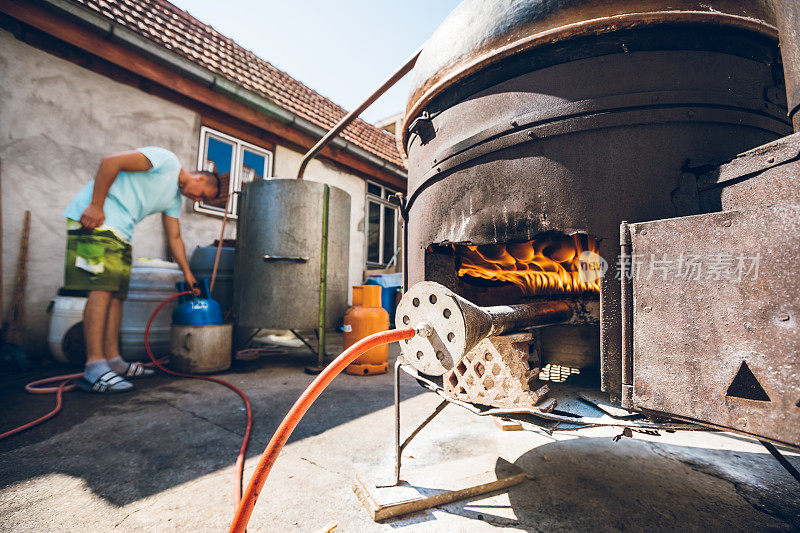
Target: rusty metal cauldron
x,y
530,116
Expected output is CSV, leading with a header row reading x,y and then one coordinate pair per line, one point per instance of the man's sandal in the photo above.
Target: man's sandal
x,y
108,383
136,370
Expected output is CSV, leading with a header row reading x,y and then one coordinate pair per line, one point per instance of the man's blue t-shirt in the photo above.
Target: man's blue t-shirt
x,y
134,195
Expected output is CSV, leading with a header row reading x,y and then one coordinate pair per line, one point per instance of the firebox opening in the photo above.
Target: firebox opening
x,y
552,266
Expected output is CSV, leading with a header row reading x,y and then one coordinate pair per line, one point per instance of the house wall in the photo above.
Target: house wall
x,y
56,121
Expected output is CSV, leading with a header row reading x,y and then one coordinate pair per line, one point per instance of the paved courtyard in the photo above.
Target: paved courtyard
x,y
161,459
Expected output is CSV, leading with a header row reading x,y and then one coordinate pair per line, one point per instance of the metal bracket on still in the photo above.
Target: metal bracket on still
x,y
292,258
423,127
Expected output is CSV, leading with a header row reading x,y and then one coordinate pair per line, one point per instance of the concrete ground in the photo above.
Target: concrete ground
x,y
161,459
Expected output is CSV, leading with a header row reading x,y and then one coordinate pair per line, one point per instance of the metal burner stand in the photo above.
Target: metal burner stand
x,y
576,411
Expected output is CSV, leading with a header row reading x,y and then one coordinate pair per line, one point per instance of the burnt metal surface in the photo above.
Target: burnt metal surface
x,y
725,352
625,88
788,20
581,146
498,372
479,34
766,175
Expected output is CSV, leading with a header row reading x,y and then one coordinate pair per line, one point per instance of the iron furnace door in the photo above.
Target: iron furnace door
x,y
714,307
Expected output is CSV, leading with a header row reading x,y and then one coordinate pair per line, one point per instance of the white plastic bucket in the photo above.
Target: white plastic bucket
x,y
152,281
65,324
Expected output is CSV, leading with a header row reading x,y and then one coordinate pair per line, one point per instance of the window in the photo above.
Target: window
x,y
383,227
236,162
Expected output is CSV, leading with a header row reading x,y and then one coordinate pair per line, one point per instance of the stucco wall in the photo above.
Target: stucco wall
x,y
56,121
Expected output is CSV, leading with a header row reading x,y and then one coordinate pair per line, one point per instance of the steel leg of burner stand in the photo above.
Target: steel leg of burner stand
x,y
781,459
301,339
397,458
398,448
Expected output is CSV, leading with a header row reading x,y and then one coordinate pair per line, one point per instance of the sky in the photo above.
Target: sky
x,y
343,49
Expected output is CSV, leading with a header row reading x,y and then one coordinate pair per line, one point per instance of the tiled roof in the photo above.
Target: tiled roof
x,y
174,29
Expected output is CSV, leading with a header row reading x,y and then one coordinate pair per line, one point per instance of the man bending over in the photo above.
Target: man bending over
x,y
127,187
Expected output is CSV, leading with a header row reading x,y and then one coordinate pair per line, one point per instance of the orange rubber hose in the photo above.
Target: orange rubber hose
x,y
34,386
246,439
248,502
64,385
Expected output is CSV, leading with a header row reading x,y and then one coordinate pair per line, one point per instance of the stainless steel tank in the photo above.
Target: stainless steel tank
x,y
277,261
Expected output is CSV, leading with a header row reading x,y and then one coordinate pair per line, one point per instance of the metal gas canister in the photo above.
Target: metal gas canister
x,y
200,341
199,310
364,318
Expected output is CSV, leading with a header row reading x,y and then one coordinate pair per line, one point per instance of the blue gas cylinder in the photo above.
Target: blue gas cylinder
x,y
198,310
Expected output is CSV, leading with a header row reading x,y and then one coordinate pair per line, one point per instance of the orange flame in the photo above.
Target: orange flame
x,y
549,264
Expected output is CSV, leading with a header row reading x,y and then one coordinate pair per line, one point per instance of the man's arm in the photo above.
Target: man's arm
x,y
173,229
110,167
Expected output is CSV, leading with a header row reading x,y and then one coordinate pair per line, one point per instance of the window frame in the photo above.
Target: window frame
x,y
383,202
235,182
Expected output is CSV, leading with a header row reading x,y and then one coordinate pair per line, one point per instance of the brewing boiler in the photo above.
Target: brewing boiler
x,y
277,259
567,162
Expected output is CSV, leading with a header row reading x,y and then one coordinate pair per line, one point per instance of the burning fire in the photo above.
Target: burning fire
x,y
549,264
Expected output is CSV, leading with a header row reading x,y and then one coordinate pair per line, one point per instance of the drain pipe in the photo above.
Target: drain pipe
x,y
788,15
323,279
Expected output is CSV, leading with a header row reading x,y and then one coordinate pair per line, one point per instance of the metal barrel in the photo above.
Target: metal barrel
x,y
277,260
570,117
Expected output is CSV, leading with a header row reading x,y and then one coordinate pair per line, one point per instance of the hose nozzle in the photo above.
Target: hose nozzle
x,y
424,329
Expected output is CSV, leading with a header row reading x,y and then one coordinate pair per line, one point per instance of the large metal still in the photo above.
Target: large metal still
x,y
532,125
574,118
277,260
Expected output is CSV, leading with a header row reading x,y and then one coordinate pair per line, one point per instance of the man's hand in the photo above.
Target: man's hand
x,y
92,217
193,285
173,230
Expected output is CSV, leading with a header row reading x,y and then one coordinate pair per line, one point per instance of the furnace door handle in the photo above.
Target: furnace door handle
x,y
293,258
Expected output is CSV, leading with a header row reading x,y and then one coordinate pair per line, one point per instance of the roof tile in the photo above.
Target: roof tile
x,y
175,29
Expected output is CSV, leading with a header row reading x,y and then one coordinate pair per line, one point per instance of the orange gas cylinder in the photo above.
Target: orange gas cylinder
x,y
365,318
356,297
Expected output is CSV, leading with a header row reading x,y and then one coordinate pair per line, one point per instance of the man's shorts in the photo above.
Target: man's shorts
x,y
97,260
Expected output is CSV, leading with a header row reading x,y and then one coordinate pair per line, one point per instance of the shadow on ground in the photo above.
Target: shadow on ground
x,y
597,484
171,431
174,432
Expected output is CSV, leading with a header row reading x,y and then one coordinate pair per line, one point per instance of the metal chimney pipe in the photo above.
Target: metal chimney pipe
x,y
396,76
787,13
